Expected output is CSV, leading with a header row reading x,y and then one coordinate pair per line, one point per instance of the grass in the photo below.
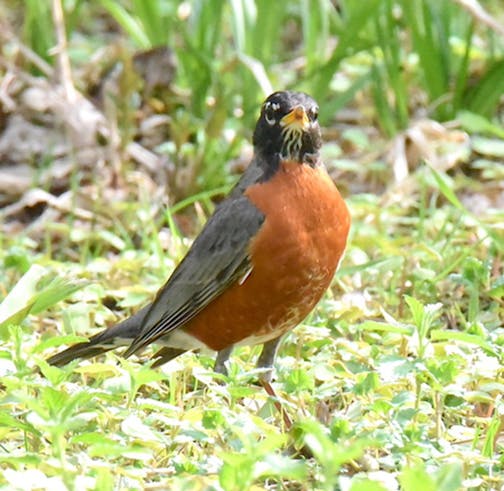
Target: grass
x,y
394,382
235,52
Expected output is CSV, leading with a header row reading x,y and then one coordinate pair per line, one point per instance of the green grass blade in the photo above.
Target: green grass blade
x,y
352,38
485,96
150,14
428,41
463,72
130,25
444,335
35,292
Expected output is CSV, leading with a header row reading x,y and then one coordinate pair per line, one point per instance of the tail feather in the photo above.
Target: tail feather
x,y
121,334
84,350
166,354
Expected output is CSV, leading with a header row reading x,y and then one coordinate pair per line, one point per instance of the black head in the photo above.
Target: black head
x,y
288,127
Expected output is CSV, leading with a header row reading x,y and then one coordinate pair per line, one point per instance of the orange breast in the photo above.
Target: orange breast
x,y
294,257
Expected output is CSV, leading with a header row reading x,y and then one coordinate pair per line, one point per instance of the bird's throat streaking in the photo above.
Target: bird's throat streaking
x,y
292,142
294,125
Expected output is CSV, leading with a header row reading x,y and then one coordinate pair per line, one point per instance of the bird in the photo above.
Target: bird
x,y
262,261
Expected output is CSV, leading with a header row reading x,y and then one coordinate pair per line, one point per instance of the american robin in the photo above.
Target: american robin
x,y
261,263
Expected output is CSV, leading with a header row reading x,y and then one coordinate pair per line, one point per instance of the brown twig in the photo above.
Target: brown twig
x,y
480,14
60,50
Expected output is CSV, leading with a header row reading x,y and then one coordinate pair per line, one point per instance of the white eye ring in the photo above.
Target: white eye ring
x,y
269,111
314,111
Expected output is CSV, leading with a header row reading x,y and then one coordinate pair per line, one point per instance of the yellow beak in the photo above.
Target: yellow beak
x,y
296,118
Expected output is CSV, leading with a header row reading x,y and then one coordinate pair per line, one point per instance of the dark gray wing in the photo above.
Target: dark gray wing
x,y
217,258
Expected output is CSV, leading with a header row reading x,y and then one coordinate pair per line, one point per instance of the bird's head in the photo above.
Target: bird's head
x,y
288,127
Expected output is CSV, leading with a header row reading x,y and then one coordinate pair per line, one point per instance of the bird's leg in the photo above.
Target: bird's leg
x,y
266,361
222,357
267,358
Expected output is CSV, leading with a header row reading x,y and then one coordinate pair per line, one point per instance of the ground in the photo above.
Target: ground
x,y
395,381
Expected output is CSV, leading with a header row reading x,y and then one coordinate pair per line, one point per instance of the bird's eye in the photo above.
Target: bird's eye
x,y
313,113
270,113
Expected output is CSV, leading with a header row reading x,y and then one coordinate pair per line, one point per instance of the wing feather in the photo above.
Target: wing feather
x,y
218,257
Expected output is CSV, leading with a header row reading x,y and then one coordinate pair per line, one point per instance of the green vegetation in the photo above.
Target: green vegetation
x,y
394,382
